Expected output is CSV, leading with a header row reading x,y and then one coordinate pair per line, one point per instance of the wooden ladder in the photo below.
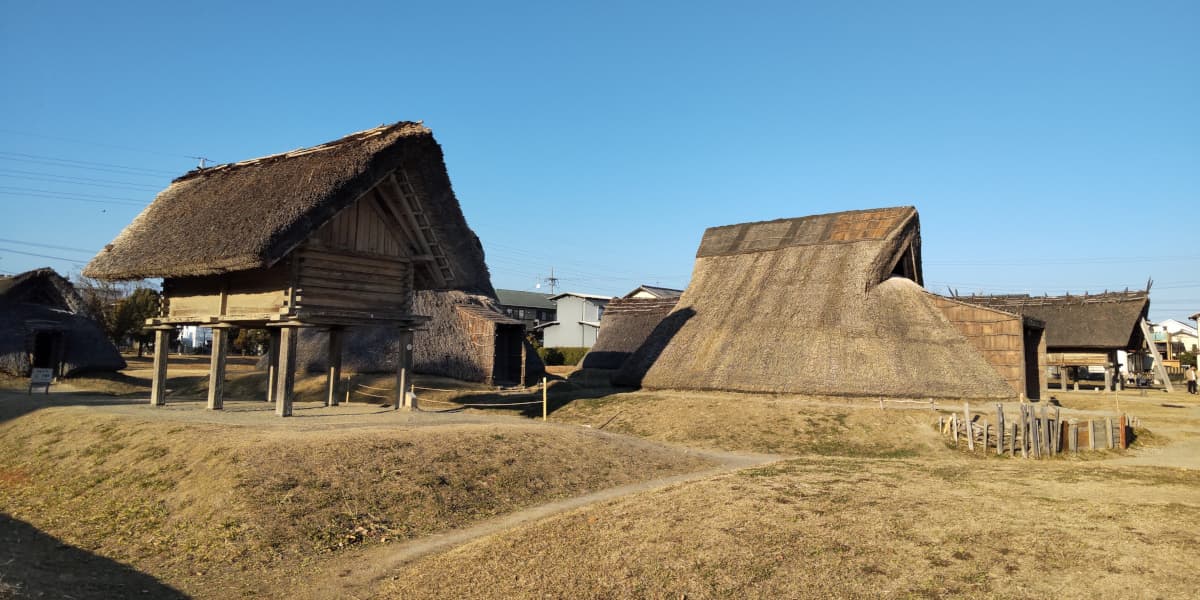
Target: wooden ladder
x,y
1158,364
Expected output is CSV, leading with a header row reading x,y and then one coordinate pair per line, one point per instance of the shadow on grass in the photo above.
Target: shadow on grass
x,y
583,384
36,565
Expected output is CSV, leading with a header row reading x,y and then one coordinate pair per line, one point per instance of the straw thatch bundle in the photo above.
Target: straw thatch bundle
x,y
822,305
626,324
1107,321
251,214
43,301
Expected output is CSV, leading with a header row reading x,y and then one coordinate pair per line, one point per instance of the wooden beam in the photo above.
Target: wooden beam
x,y
1158,364
287,370
158,384
216,371
403,368
334,376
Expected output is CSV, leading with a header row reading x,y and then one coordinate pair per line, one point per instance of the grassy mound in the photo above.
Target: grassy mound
x,y
743,422
822,527
201,506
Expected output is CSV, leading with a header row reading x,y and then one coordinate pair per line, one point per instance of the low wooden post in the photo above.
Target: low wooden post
x,y
1056,442
216,371
1012,446
1124,441
545,399
1108,427
288,336
954,428
999,429
158,384
334,374
1091,434
401,388
967,424
1073,438
403,360
1024,433
412,397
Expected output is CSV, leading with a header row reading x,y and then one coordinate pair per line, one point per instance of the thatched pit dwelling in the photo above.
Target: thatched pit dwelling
x,y
823,305
335,236
1081,330
44,324
624,327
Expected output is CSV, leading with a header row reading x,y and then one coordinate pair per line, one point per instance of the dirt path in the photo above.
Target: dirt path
x,y
358,575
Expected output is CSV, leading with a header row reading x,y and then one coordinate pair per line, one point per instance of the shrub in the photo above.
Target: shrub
x,y
566,355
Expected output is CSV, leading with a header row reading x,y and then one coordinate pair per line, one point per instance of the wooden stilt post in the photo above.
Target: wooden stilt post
x,y
403,376
334,375
158,384
287,370
216,371
272,363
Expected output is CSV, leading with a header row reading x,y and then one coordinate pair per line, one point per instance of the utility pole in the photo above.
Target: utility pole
x,y
552,281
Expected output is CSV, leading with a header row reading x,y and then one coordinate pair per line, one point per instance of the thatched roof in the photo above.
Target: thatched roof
x,y
810,306
42,300
44,287
253,213
624,327
1107,321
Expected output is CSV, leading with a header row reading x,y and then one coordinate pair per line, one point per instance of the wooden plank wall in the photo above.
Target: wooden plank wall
x,y
360,228
343,280
249,294
999,337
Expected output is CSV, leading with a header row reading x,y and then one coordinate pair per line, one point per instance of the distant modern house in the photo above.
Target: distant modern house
x,y
531,308
578,320
1173,337
44,324
651,291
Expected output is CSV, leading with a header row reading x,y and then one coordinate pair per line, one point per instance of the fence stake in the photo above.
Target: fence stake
x,y
1091,435
1024,433
967,424
1012,446
1108,428
412,399
1124,441
544,396
1073,438
999,429
1056,431
954,428
985,436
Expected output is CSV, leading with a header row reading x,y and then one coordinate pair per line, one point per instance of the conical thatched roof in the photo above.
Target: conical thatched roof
x,y
252,214
624,327
42,300
1107,321
827,305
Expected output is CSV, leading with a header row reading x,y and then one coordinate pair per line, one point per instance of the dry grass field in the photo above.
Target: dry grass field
x,y
358,501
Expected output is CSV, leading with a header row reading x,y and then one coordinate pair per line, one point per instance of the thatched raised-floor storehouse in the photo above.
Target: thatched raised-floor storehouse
x,y
1081,330
335,236
44,324
824,305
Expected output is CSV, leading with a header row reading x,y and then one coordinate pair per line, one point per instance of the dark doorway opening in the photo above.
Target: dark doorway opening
x,y
47,350
508,358
1033,371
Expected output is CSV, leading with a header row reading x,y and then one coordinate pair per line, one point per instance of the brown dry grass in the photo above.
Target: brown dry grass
x,y
823,527
203,505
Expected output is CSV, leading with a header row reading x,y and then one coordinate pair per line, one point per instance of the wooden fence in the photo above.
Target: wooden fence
x,y
1037,432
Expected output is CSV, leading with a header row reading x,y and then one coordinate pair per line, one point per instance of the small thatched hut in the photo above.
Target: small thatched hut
x,y
43,323
1081,330
826,305
624,327
334,236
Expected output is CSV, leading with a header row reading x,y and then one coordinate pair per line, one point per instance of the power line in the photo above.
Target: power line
x,y
93,143
70,260
107,183
79,197
83,165
50,246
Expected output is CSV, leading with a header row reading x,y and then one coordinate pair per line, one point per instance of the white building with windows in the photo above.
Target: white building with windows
x,y
577,322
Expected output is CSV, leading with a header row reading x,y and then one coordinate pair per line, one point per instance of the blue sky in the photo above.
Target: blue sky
x,y
1050,147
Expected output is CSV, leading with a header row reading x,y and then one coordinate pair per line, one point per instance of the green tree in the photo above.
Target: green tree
x,y
130,314
250,340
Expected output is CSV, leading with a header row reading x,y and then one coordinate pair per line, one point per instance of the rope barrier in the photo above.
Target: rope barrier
x,y
427,401
371,395
374,388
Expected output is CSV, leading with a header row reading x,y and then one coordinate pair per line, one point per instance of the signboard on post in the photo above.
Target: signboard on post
x,y
42,377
